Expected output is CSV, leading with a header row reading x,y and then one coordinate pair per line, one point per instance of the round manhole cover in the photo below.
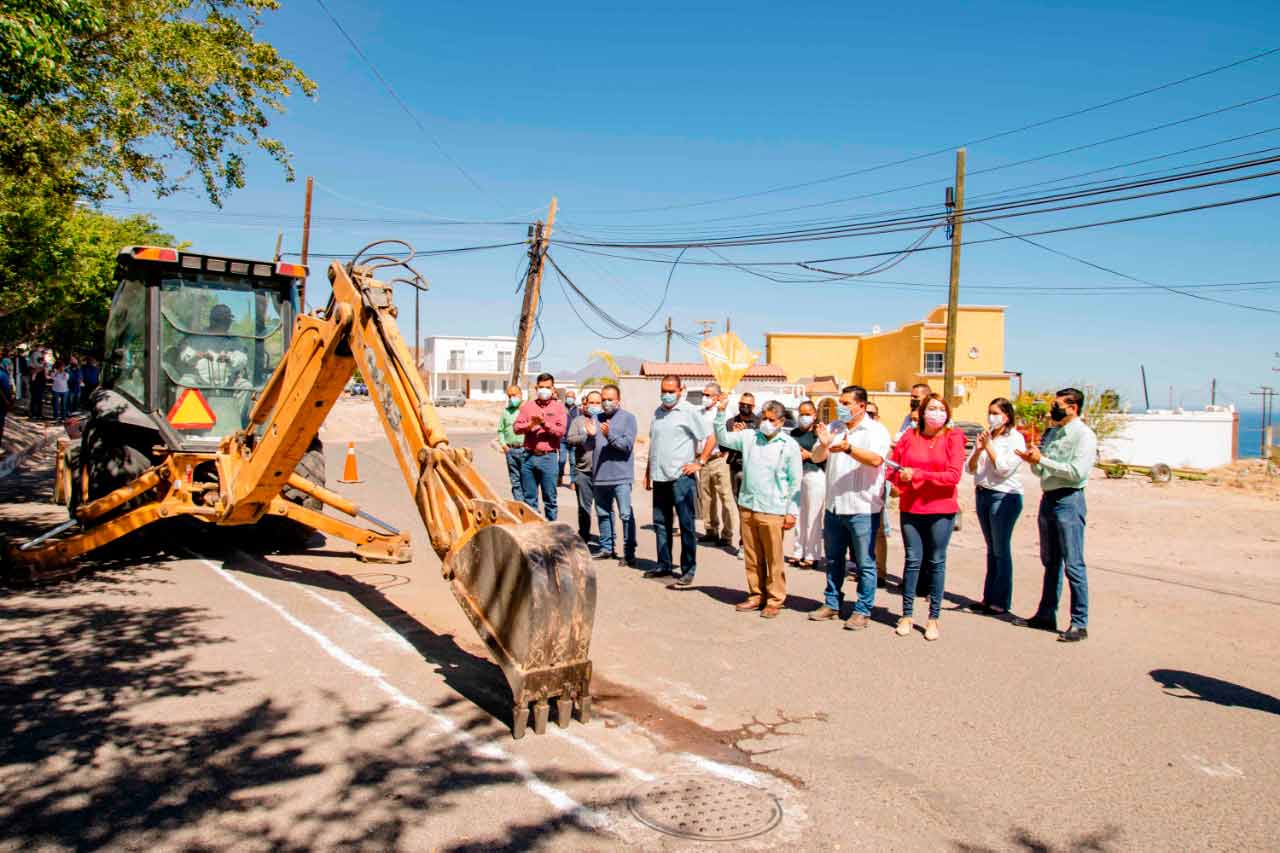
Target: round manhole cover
x,y
706,809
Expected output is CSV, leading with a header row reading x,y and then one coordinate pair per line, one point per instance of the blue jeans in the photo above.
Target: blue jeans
x,y
925,538
585,493
1062,518
877,519
540,471
997,514
515,462
564,460
842,534
59,405
672,499
605,498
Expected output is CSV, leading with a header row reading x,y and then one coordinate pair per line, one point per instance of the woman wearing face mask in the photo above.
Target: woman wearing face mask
x,y
929,459
995,465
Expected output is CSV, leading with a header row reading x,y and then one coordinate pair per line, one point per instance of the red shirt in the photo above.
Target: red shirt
x,y
545,437
936,464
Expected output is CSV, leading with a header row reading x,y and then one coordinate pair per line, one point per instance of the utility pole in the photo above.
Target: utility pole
x,y
1268,394
306,240
1213,392
279,240
1146,398
539,237
668,358
955,203
707,326
727,328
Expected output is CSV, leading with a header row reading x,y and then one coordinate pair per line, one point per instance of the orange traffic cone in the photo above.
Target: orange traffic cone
x,y
350,472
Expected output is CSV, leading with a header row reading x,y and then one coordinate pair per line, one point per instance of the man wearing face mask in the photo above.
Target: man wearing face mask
x,y
543,422
613,472
768,502
1063,460
715,481
919,393
580,439
512,444
807,550
571,412
853,448
677,452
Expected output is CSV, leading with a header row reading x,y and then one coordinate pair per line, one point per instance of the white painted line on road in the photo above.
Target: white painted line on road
x,y
724,771
603,758
558,799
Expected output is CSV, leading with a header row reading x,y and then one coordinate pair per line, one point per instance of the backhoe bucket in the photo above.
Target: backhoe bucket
x,y
530,590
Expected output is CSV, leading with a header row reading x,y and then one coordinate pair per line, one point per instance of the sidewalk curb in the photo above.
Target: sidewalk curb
x,y
10,463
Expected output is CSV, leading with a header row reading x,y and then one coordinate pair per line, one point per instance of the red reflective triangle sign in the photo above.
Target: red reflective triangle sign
x,y
191,411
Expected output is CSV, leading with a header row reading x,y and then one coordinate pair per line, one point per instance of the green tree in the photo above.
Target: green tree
x,y
67,307
105,95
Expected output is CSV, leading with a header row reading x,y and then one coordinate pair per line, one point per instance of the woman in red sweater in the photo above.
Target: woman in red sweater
x,y
929,459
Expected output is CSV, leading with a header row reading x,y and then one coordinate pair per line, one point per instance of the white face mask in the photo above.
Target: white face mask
x,y
769,428
996,421
806,421
544,393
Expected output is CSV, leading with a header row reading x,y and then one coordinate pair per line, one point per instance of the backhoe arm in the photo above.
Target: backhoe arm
x,y
528,586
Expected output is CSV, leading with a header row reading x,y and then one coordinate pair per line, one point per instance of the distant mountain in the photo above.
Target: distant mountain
x,y
598,367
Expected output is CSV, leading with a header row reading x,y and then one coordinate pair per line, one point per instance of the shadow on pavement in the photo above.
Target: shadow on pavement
x,y
110,740
1020,838
1215,690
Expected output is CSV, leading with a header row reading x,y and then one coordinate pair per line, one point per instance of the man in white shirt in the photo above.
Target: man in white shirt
x,y
716,502
854,448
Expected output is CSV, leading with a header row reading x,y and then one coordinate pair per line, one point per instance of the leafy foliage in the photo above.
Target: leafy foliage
x,y
67,267
1101,411
105,94
99,97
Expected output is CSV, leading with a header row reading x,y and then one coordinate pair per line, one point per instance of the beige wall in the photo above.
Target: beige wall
x,y
803,355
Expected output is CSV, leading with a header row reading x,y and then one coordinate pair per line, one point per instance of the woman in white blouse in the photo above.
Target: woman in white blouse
x,y
994,464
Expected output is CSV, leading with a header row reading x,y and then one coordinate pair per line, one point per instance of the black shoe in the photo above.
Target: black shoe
x,y
682,582
1073,635
659,573
709,537
629,562
604,555
1037,622
980,607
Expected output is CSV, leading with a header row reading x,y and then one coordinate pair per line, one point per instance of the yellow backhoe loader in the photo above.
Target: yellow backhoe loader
x,y
215,387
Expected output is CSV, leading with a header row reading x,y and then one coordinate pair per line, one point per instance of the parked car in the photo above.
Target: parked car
x,y
358,389
971,431
453,399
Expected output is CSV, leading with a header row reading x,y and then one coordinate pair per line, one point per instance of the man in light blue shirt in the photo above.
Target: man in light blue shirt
x,y
677,444
768,502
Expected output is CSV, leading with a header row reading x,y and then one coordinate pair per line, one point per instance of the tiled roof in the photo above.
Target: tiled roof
x,y
698,369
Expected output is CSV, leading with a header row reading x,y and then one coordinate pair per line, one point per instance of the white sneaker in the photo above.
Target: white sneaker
x,y
904,626
931,630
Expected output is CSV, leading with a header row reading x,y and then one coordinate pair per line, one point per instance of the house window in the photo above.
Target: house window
x,y
933,363
456,359
504,360
488,386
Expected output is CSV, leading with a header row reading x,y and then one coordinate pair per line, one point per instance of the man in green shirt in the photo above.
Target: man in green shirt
x,y
1063,461
512,444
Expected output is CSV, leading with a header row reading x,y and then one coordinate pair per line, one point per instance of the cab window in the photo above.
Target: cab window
x,y
126,363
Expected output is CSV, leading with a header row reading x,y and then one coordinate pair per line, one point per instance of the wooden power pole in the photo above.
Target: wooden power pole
x,y
539,237
668,358
306,240
956,203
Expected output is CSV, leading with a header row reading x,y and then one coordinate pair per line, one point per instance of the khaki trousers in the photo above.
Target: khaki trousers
x,y
716,501
762,552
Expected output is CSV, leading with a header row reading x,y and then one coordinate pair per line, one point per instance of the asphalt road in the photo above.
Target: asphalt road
x,y
198,696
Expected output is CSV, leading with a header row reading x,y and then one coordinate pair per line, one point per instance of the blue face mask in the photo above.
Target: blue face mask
x,y
594,409
669,399
806,421
844,414
514,401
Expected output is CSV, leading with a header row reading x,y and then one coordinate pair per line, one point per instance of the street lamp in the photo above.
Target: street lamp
x,y
419,284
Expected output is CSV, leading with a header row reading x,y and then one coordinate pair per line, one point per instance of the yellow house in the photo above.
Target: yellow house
x,y
887,364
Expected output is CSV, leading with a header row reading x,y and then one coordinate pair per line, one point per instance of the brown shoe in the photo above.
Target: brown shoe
x,y
856,622
770,612
749,604
823,613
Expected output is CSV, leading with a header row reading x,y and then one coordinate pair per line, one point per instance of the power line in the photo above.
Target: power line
x,y
1125,275
949,148
427,253
392,92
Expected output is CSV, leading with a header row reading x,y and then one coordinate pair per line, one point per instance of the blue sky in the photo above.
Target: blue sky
x,y
617,108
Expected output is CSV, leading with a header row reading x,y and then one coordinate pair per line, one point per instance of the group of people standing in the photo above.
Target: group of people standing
x,y
832,483
39,376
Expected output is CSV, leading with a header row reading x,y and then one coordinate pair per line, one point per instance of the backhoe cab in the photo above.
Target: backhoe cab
x,y
214,392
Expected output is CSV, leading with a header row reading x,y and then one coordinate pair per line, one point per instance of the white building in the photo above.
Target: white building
x,y
1180,439
476,367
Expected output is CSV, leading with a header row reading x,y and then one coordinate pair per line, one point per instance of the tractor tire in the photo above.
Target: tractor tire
x,y
111,464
